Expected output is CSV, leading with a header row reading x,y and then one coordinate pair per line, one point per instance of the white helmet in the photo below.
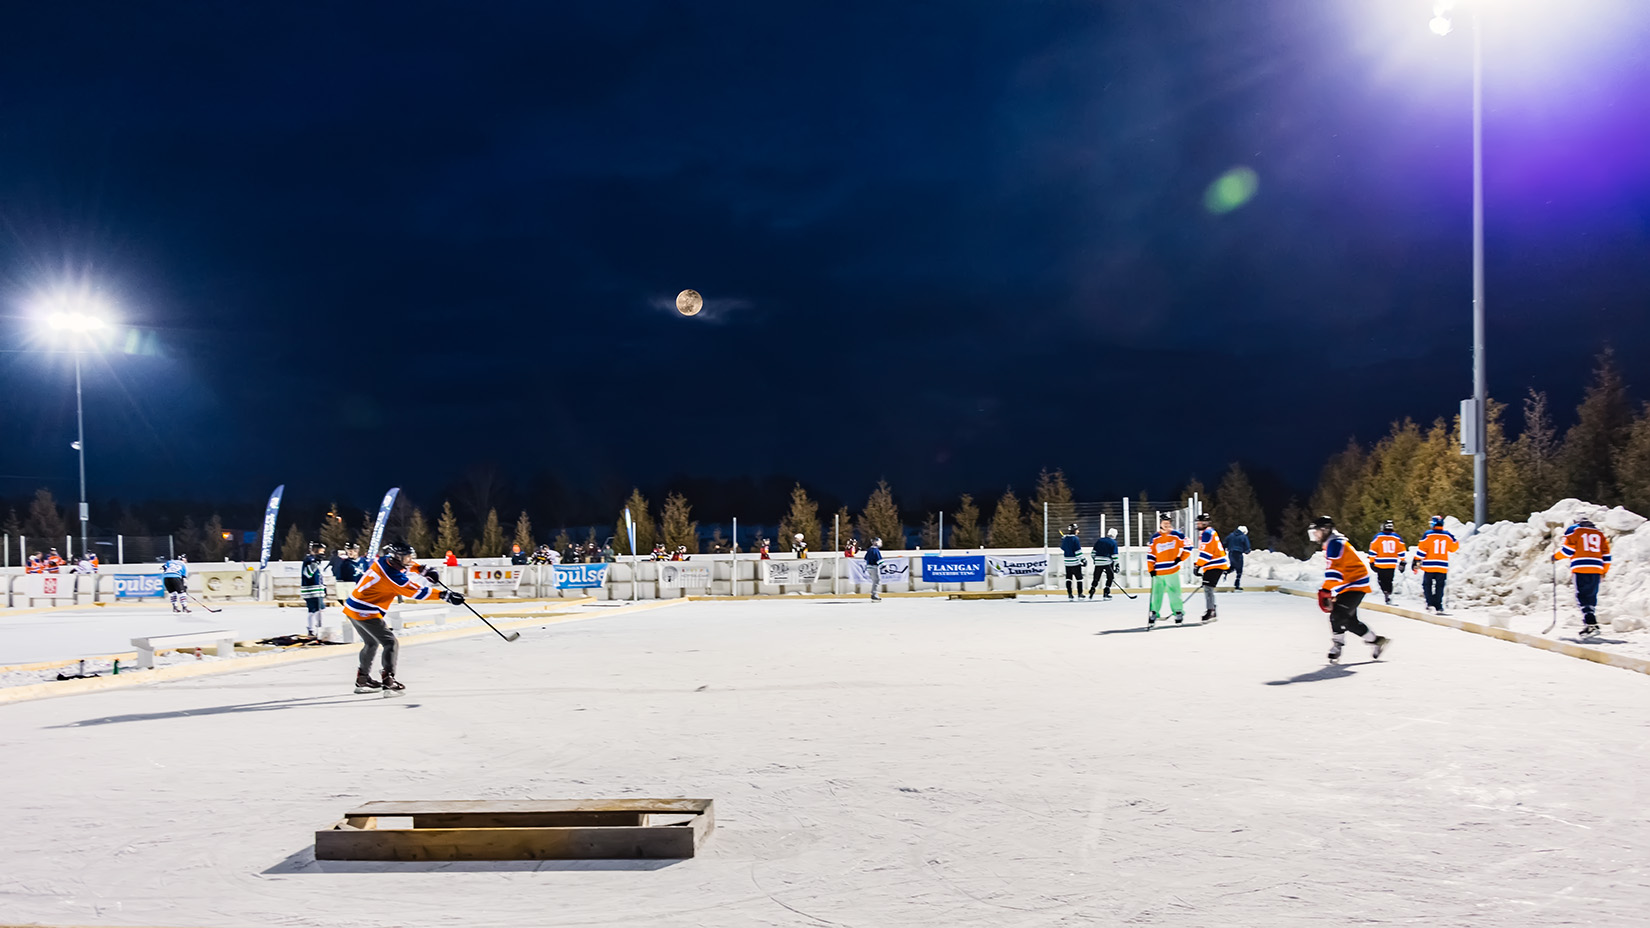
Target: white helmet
x,y
1244,529
798,536
1111,533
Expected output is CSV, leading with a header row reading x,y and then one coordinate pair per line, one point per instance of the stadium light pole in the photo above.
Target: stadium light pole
x,y
1442,25
81,319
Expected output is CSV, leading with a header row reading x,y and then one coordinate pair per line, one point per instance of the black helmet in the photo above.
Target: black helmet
x,y
1437,521
1386,526
317,546
1322,522
1586,523
1071,529
399,550
1204,517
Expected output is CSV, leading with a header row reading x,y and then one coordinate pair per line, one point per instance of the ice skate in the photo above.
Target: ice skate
x,y
1208,616
1106,598
1335,653
1388,598
1589,630
392,686
1378,646
366,684
1151,620
1179,617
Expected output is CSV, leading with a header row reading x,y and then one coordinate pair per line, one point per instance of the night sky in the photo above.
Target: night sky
x,y
360,245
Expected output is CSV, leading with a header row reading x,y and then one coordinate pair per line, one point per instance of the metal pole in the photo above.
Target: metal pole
x,y
80,445
733,590
120,549
1048,568
1480,389
942,533
836,541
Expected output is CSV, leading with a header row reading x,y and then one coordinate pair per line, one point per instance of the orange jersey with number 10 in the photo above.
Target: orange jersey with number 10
x,y
1386,550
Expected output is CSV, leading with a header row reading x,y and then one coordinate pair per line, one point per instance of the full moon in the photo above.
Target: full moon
x,y
689,302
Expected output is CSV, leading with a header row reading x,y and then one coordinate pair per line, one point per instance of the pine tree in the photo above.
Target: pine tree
x,y
13,528
1292,538
1235,504
1508,493
213,545
647,533
563,541
1053,490
843,526
1593,443
718,541
363,535
674,524
1537,454
524,533
1008,524
418,534
188,537
1385,491
45,522
965,524
881,518
1194,488
803,517
1338,482
491,542
294,546
334,533
1633,464
929,537
447,535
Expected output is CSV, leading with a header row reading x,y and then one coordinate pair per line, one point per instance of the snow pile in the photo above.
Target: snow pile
x,y
1281,568
1506,567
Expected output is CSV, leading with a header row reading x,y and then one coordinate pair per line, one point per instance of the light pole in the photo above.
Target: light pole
x,y
1479,442
80,322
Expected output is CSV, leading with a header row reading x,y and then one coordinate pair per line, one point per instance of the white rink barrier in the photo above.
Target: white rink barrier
x,y
625,579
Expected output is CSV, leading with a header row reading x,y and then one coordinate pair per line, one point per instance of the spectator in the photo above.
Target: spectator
x,y
362,561
37,564
852,551
343,565
1237,545
799,547
85,565
659,552
609,553
764,549
54,562
517,556
452,559
680,554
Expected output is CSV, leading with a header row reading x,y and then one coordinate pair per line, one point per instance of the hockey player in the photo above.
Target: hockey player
x,y
1345,581
1164,554
1211,562
36,565
54,561
873,568
1072,548
1238,545
174,576
312,586
1386,552
1431,560
1588,552
393,574
799,547
1104,557
852,550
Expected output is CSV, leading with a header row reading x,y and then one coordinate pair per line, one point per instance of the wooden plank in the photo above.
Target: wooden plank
x,y
666,842
501,806
530,820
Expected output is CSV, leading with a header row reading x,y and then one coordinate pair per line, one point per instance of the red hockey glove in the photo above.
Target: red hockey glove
x,y
1326,601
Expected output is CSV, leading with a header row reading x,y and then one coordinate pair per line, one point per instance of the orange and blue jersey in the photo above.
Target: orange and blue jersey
x,y
1386,550
1211,554
1344,571
1433,550
1165,552
36,565
377,589
1587,550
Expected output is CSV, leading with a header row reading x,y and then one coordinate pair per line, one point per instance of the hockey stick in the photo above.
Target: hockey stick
x,y
510,637
1554,623
201,604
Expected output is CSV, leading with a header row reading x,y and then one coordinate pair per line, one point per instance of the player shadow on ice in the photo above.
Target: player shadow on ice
x,y
303,863
269,706
1161,627
1327,672
1572,639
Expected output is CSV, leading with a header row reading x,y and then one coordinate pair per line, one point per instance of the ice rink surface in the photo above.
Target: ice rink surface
x,y
914,762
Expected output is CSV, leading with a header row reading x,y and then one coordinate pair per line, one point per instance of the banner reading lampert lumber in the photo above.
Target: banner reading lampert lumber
x,y
269,524
891,569
1018,565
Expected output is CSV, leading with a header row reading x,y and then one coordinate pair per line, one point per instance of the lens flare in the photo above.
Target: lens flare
x,y
1231,190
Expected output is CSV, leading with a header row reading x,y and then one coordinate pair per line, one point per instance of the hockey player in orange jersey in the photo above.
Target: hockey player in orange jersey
x,y
1588,552
1345,581
393,574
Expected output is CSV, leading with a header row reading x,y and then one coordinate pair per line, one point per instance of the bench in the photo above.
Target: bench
x,y
146,647
994,594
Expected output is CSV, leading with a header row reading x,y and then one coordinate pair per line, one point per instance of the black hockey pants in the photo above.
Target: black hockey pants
x,y
1343,617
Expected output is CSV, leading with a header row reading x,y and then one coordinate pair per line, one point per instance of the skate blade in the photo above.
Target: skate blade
x,y
390,693
363,690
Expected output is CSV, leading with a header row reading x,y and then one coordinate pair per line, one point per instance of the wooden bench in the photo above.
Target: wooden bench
x,y
993,594
529,829
223,639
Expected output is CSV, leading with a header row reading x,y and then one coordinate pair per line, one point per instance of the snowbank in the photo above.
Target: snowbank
x,y
1505,569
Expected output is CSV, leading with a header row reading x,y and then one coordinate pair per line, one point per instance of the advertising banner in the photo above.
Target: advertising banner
x,y
495,579
382,520
1018,565
968,568
41,586
892,569
269,524
138,586
682,575
580,576
776,573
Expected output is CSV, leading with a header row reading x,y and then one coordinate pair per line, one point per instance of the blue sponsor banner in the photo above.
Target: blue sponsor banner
x,y
382,520
269,524
580,576
138,586
968,568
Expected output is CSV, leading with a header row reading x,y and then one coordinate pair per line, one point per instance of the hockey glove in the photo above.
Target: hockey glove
x,y
1400,566
432,575
1197,571
1326,601
457,599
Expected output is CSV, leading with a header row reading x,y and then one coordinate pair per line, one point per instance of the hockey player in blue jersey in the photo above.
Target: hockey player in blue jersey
x,y
312,586
1072,548
174,576
1104,557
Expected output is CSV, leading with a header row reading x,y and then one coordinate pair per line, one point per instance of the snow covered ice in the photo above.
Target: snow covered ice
x,y
913,762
